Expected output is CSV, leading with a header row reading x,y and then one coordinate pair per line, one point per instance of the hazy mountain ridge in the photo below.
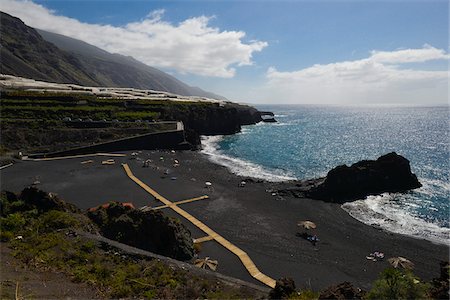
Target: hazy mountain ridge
x,y
42,55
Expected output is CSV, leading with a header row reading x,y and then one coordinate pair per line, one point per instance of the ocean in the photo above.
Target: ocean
x,y
308,141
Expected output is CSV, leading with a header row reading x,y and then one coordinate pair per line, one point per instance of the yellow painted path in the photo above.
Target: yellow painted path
x,y
184,201
203,239
245,259
76,156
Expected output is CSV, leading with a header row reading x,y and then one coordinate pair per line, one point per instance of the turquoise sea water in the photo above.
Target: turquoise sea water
x,y
308,141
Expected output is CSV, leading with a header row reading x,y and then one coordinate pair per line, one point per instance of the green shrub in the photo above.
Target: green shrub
x,y
6,236
396,284
54,220
12,222
305,295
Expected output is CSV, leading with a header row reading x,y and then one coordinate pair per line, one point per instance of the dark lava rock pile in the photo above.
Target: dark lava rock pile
x,y
147,230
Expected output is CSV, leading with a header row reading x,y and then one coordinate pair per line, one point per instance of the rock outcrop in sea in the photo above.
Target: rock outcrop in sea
x,y
389,173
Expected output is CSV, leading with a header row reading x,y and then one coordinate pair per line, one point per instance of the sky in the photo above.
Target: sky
x,y
279,52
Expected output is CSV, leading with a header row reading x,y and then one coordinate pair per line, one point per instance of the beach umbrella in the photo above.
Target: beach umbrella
x,y
206,262
307,224
401,262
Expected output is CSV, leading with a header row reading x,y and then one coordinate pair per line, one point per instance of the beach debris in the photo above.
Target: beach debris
x,y
87,162
307,224
206,262
108,162
399,261
242,183
176,163
147,163
313,239
375,256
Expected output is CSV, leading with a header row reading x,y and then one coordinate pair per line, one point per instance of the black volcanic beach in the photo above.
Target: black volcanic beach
x,y
251,217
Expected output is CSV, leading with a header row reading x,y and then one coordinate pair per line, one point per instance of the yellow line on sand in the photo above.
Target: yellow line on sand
x,y
203,239
76,156
245,259
184,201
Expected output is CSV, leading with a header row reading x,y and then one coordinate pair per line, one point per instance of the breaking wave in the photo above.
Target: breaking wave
x,y
387,211
210,145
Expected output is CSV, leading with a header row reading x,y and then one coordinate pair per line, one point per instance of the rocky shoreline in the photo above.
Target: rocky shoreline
x,y
389,173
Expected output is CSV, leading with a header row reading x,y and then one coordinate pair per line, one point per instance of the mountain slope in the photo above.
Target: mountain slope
x,y
25,53
47,56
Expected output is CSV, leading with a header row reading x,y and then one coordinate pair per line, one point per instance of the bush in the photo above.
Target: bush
x,y
396,284
54,220
12,222
6,236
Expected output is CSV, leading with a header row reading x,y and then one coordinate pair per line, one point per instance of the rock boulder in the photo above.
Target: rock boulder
x,y
148,230
389,173
342,291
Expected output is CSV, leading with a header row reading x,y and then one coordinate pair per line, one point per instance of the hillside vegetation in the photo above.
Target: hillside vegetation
x,y
38,121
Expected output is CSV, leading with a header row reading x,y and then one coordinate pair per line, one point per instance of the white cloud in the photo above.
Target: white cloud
x,y
191,46
409,55
379,78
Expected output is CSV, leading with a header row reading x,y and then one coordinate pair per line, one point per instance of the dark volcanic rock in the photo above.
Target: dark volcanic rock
x,y
269,120
148,230
283,289
342,291
43,201
32,198
389,173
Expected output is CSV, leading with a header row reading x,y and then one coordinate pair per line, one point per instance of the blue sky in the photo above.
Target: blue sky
x,y
283,42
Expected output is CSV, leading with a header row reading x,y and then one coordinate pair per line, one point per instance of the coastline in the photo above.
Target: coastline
x,y
263,225
378,211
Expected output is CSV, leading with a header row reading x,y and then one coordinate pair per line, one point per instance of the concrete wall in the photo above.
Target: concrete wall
x,y
152,141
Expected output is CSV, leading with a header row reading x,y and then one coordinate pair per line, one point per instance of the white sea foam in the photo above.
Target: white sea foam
x,y
384,211
239,166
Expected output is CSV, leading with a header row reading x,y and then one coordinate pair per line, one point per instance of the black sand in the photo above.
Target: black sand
x,y
263,225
